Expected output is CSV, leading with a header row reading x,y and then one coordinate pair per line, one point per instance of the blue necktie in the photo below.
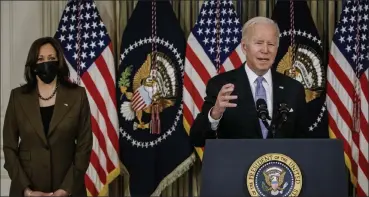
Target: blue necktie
x,y
260,93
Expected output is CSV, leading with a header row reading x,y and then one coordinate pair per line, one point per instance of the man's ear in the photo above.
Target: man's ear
x,y
243,46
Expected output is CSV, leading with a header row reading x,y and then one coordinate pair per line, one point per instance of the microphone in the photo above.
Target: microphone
x,y
283,110
263,114
262,109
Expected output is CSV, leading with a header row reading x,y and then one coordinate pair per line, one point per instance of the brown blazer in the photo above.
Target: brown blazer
x,y
56,161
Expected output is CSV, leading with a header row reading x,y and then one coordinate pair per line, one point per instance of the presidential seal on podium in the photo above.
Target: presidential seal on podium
x,y
274,174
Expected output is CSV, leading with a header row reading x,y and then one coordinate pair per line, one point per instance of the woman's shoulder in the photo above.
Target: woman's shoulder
x,y
22,89
74,89
18,89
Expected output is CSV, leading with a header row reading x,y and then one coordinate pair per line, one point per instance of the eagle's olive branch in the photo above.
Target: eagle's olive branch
x,y
124,82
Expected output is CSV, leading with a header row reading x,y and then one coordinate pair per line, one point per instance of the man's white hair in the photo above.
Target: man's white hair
x,y
258,20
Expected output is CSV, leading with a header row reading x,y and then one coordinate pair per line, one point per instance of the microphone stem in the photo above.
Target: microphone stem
x,y
272,129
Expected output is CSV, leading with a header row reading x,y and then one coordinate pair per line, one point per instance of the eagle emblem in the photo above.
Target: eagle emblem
x,y
154,88
274,174
305,66
274,181
303,62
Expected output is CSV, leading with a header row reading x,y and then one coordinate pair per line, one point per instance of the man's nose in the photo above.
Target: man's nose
x,y
264,48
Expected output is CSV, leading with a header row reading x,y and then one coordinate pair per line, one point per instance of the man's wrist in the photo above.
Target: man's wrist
x,y
67,192
215,114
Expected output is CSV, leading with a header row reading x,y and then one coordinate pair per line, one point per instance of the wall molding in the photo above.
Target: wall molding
x,y
7,20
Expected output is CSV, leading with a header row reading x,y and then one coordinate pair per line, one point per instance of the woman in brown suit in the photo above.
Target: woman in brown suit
x,y
47,135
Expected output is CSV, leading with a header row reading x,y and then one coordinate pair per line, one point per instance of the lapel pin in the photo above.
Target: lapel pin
x,y
66,104
281,87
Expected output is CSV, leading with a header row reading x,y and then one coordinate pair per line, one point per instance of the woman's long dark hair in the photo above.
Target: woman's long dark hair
x,y
63,71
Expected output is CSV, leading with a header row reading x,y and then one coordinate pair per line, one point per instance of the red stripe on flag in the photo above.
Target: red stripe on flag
x,y
197,64
103,68
93,91
99,169
235,59
364,126
193,91
363,164
346,146
360,192
90,186
222,69
342,109
187,115
344,114
341,76
365,86
102,144
111,47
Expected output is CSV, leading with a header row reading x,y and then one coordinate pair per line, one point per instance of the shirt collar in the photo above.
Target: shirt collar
x,y
252,75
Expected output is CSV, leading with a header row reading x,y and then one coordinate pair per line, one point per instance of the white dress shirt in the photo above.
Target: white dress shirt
x,y
268,85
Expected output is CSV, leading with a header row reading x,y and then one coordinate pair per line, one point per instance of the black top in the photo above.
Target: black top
x,y
46,114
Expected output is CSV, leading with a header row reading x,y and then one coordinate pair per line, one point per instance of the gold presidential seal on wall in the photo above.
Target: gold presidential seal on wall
x,y
274,174
304,65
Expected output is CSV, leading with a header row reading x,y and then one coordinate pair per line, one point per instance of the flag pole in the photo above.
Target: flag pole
x,y
325,32
246,2
354,191
239,8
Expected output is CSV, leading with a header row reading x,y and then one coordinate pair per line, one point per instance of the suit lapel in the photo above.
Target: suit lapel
x,y
278,92
63,103
242,86
31,106
246,99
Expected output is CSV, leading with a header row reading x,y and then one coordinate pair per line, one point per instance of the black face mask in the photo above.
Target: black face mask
x,y
46,71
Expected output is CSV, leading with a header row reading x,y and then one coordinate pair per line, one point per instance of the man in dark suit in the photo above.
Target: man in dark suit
x,y
229,109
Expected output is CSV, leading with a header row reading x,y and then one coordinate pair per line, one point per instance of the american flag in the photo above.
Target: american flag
x,y
213,47
347,85
87,44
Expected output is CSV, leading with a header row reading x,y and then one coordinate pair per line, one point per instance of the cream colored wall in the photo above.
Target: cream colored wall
x,y
20,24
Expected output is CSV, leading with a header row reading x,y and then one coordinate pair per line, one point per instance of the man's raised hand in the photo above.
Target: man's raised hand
x,y
223,101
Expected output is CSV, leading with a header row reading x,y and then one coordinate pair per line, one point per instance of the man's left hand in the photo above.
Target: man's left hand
x,y
60,192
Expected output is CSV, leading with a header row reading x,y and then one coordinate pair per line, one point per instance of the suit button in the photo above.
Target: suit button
x,y
47,147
